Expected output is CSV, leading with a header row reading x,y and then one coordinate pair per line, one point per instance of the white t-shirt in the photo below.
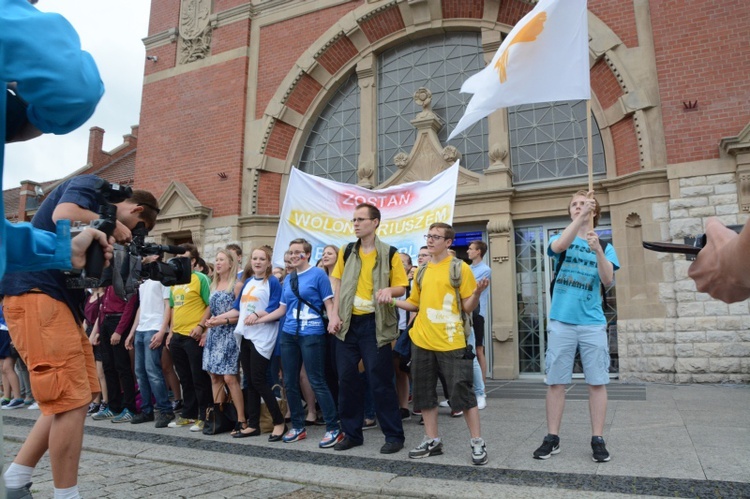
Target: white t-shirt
x,y
258,295
152,295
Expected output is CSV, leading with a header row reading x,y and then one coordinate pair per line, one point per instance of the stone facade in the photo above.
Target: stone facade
x,y
700,339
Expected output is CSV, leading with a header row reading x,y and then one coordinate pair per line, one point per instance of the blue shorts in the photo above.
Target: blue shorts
x,y
562,341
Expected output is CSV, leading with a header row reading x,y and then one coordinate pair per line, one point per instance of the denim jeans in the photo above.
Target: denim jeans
x,y
478,380
310,349
149,374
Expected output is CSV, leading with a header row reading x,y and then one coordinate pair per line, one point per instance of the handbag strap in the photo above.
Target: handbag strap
x,y
294,284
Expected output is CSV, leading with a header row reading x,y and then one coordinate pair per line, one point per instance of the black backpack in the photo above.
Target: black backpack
x,y
559,265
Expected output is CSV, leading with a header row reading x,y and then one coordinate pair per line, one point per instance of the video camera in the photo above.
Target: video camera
x,y
126,270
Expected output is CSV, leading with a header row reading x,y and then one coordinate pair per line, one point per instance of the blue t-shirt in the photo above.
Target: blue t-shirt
x,y
577,298
315,288
79,190
482,271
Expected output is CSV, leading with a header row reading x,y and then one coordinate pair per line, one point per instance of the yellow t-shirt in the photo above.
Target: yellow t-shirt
x,y
364,297
189,302
438,325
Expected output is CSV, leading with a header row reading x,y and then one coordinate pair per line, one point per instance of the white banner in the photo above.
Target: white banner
x,y
321,210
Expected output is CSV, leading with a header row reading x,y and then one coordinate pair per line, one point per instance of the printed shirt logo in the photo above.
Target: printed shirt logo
x,y
366,306
528,33
446,316
579,273
248,300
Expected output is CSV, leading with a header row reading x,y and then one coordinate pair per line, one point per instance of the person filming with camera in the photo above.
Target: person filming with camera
x,y
45,318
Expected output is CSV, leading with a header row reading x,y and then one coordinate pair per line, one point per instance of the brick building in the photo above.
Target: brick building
x,y
235,93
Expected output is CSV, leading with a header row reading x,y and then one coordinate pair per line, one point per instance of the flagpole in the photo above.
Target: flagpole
x,y
590,152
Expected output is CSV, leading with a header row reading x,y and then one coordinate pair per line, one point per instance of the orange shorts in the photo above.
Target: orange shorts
x,y
55,349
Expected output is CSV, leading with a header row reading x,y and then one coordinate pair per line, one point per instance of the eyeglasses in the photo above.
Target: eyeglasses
x,y
296,253
360,219
433,237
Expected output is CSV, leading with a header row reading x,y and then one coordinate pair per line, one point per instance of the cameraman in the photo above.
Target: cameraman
x,y
45,322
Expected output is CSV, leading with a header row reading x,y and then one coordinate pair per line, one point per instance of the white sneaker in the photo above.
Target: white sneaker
x,y
444,403
33,407
481,402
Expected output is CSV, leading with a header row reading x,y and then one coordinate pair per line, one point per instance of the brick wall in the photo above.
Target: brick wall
x,y
192,128
269,187
278,53
303,94
382,24
626,146
511,11
473,9
165,14
604,84
339,53
701,54
619,15
231,36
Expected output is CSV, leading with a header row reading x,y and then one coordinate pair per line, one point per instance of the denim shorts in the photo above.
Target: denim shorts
x,y
562,341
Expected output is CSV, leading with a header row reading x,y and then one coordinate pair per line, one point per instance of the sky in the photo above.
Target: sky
x,y
112,31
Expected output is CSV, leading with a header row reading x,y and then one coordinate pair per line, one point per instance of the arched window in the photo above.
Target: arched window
x,y
440,63
332,149
548,142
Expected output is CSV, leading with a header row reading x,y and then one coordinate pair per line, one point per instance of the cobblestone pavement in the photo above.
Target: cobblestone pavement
x,y
110,476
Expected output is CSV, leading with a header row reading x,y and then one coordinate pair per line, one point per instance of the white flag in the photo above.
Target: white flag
x,y
544,58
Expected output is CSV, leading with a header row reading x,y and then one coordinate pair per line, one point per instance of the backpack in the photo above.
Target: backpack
x,y
455,277
603,290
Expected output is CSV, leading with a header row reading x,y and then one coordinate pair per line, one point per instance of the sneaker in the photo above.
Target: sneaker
x,y
93,409
294,435
28,401
34,406
421,421
550,446
163,419
405,414
4,401
20,493
481,402
14,404
444,403
478,451
104,413
124,417
144,417
600,454
428,447
331,438
369,424
417,412
176,405
179,421
198,426
457,414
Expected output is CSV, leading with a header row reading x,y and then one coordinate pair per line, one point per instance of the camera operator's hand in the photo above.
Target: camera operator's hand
x,y
122,233
81,243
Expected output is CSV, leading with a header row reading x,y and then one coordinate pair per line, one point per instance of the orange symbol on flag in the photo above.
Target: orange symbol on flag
x,y
528,33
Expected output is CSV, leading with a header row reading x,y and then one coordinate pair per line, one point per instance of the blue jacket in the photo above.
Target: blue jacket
x,y
42,53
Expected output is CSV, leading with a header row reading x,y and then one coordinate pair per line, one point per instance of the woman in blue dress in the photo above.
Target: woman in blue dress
x,y
221,352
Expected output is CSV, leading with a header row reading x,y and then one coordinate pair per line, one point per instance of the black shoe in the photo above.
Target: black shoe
x,y
421,421
346,444
142,418
405,414
163,419
277,438
391,447
550,446
600,454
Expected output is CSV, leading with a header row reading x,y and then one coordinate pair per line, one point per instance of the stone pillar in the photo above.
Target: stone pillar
x,y
504,335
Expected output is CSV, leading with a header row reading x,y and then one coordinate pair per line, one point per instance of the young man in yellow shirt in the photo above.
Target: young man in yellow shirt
x,y
439,343
367,277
